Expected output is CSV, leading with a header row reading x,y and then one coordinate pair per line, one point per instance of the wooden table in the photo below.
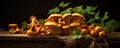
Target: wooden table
x,y
24,41
114,40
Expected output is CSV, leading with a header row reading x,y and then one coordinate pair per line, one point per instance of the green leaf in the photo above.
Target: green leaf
x,y
90,13
116,24
79,36
111,25
74,34
24,25
104,18
54,10
91,20
68,10
79,9
89,10
97,15
63,5
42,21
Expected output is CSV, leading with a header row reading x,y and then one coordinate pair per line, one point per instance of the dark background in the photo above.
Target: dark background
x,y
17,11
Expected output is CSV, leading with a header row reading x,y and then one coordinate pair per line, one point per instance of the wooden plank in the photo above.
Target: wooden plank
x,y
6,36
23,40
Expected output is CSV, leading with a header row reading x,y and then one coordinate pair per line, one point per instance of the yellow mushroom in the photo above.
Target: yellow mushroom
x,y
77,17
13,28
53,18
52,24
65,22
34,27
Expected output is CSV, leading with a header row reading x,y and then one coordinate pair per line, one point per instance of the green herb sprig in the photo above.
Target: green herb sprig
x,y
24,25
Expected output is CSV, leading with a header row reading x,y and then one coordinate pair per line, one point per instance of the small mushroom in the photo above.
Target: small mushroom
x,y
38,27
32,31
52,28
33,19
13,28
77,19
34,27
52,25
65,22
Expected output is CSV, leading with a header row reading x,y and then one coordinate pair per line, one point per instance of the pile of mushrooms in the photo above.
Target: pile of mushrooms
x,y
55,24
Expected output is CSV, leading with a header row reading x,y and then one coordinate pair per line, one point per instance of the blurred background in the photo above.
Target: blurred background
x,y
17,11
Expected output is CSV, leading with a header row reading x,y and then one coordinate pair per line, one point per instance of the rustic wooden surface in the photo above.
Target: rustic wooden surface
x,y
8,40
114,40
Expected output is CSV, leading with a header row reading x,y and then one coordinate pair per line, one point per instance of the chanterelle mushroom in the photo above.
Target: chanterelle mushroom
x,y
13,28
76,20
65,22
54,18
52,24
34,27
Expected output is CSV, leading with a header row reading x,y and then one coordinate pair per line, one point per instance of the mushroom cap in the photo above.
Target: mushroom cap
x,y
74,24
51,23
79,15
10,25
67,14
65,26
55,15
32,17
